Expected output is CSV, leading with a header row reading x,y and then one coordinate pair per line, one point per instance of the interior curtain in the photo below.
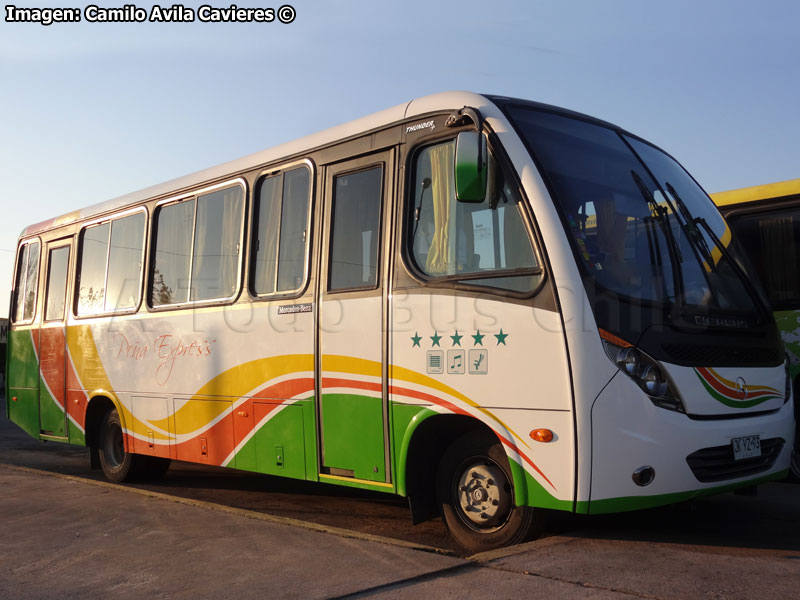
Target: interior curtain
x,y
440,253
215,258
127,255
124,263
269,222
294,218
200,250
231,227
174,245
181,231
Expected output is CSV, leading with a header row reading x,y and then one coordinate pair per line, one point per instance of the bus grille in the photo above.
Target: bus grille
x,y
723,355
717,464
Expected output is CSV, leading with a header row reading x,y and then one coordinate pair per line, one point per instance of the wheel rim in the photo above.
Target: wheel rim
x,y
114,446
483,496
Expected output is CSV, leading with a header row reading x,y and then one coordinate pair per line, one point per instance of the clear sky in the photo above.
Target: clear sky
x,y
91,111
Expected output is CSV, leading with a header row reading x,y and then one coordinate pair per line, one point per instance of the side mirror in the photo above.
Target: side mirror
x,y
471,166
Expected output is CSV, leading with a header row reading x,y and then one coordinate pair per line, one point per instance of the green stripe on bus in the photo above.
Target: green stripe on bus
x,y
729,402
22,401
76,436
629,503
52,418
278,447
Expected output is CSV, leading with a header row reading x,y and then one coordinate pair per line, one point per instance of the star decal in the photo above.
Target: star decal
x,y
435,339
456,339
501,337
478,338
415,340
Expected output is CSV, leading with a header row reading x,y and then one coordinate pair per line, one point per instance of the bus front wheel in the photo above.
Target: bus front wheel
x,y
476,495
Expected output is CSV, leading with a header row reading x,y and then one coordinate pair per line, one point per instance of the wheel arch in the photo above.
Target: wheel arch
x,y
426,437
100,402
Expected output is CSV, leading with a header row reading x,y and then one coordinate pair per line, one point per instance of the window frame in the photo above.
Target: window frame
x,y
54,246
14,300
461,281
383,165
195,194
260,178
761,208
78,254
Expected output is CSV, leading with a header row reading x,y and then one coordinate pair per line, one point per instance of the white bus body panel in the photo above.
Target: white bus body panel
x,y
629,432
499,362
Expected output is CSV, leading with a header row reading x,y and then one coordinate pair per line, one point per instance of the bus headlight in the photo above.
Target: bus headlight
x,y
654,382
628,360
644,370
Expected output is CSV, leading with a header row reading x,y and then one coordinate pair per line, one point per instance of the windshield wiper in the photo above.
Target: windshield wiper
x,y
659,213
654,248
691,225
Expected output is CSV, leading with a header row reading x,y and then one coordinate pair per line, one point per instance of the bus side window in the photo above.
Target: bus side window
x,y
355,230
772,241
280,241
92,269
217,239
125,263
27,283
110,265
173,251
455,238
196,248
57,274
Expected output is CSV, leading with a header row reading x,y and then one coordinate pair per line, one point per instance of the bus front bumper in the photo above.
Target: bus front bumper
x,y
688,457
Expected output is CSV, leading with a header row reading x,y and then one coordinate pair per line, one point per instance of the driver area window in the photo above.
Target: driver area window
x,y
487,243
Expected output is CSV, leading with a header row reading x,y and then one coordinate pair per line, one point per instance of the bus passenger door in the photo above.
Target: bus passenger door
x,y
351,360
52,343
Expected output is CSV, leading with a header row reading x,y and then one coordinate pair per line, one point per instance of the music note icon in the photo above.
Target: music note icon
x,y
455,361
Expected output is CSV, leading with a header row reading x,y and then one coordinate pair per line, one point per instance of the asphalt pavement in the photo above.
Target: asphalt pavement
x,y
63,537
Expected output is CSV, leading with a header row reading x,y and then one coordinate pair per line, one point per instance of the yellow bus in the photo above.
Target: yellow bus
x,y
766,219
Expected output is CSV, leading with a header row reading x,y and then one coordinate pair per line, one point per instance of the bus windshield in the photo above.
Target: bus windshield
x,y
640,225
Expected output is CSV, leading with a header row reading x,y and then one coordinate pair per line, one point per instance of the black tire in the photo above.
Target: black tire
x,y
118,465
476,495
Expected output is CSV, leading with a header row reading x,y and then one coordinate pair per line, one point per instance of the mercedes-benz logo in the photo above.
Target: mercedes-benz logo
x,y
741,388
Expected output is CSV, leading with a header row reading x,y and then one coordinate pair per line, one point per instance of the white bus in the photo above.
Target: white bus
x,y
488,305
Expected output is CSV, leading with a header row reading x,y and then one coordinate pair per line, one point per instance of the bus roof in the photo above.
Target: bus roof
x,y
419,106
486,104
754,193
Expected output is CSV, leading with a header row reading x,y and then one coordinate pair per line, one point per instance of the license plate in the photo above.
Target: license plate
x,y
746,447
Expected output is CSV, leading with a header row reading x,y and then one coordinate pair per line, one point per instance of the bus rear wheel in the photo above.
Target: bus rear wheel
x,y
119,465
476,496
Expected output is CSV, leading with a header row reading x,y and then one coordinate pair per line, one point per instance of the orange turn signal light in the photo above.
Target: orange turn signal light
x,y
542,435
614,339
